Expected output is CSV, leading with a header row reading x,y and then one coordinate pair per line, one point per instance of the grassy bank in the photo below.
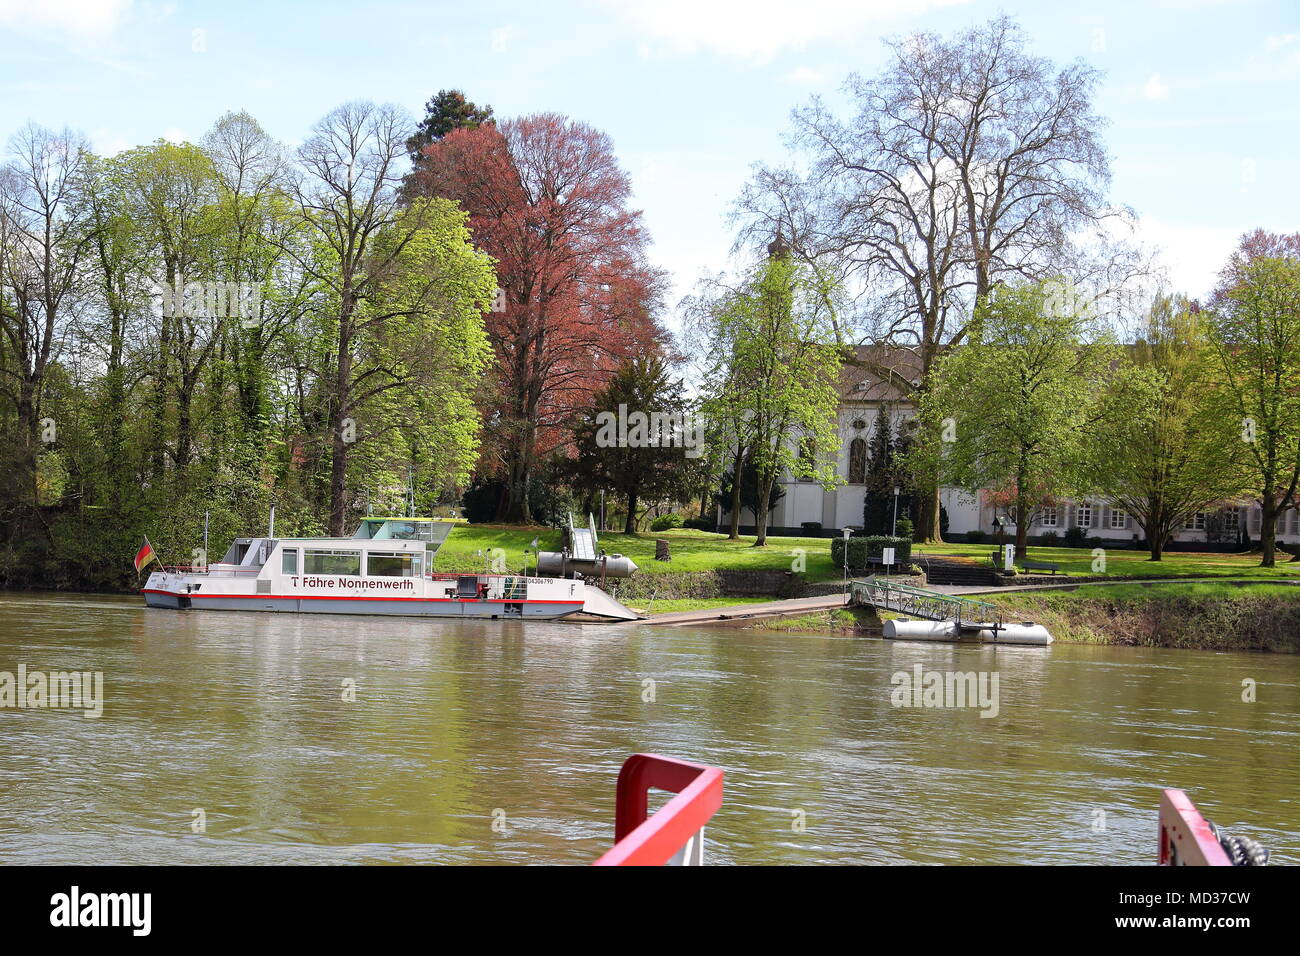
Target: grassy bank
x,y
840,620
704,551
1201,615
690,550
692,604
1134,564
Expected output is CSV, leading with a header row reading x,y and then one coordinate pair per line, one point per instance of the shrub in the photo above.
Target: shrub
x,y
481,498
1075,537
811,529
665,522
1049,538
699,524
868,551
904,528
975,537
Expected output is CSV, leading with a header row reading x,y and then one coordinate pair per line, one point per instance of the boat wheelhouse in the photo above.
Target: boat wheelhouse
x,y
386,567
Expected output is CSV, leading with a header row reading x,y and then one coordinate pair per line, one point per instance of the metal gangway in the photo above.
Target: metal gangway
x,y
582,541
967,614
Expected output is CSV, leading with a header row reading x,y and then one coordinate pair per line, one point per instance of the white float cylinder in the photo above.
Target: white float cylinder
x,y
920,630
1018,634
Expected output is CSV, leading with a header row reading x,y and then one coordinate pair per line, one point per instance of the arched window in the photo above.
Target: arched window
x,y
857,462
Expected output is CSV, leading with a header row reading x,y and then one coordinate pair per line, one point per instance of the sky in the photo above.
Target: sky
x,y
1201,97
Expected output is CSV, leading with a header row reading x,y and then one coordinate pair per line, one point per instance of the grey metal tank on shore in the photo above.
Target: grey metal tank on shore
x,y
581,556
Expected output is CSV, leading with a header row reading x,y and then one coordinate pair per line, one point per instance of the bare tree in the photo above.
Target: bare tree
x,y
969,161
348,191
41,247
257,226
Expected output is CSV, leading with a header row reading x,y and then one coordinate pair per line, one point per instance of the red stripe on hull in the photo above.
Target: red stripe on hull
x,y
345,597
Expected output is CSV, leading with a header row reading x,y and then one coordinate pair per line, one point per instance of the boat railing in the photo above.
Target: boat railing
x,y
674,835
214,570
1186,838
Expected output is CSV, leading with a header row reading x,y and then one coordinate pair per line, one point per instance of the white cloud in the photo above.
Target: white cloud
x,y
1156,88
759,29
805,76
174,134
501,38
70,16
1285,48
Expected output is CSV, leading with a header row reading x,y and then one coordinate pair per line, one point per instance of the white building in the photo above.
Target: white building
x,y
842,507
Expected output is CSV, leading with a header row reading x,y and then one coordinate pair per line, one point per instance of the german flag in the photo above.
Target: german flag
x,y
145,555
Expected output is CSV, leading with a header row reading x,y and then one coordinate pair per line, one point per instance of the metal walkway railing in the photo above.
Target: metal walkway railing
x,y
931,605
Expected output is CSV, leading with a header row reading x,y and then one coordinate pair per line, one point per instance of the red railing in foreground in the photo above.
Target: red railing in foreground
x,y
653,841
1185,837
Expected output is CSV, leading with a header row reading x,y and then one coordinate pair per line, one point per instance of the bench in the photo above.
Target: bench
x,y
1039,566
1026,565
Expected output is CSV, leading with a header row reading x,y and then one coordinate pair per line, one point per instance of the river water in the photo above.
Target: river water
x,y
457,726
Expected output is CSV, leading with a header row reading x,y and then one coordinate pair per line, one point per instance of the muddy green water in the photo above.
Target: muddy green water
x,y
456,724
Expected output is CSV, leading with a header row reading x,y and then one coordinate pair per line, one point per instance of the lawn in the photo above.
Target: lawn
x,y
690,550
1123,563
704,551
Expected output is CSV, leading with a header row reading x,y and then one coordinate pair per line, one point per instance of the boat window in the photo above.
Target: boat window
x,y
331,562
395,565
406,530
235,555
289,561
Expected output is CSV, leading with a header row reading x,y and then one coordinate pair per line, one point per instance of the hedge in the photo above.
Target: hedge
x,y
869,551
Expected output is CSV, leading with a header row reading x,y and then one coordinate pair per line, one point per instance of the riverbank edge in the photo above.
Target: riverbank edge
x,y
1245,622
1255,623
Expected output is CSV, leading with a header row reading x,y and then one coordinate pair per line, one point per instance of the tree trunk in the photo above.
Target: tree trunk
x,y
927,525
1155,539
27,445
764,496
342,395
734,535
1022,523
629,525
1268,531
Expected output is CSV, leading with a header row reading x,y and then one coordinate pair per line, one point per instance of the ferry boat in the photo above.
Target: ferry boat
x,y
386,567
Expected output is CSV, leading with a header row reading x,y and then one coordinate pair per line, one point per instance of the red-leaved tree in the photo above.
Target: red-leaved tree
x,y
548,200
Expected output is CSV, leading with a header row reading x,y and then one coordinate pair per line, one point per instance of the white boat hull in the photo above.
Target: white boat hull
x,y
498,597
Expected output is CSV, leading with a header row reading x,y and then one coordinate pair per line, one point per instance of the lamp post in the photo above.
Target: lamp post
x,y
847,532
893,531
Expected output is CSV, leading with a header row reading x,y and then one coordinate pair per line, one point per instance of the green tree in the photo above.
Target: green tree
x,y
629,446
1017,400
883,475
171,192
778,372
1255,332
1157,445
445,111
